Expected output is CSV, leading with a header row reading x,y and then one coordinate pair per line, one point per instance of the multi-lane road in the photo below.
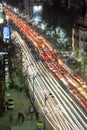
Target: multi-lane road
x,y
73,82
62,111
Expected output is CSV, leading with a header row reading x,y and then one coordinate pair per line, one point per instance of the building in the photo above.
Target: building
x,y
29,4
75,3
79,42
2,94
68,4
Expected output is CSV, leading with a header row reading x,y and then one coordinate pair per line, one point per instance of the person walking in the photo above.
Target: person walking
x,y
21,117
37,115
9,128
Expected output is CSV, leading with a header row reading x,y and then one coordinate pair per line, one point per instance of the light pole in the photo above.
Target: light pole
x,y
34,77
45,107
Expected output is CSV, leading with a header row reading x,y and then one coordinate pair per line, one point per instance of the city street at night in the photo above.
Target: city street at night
x,y
43,81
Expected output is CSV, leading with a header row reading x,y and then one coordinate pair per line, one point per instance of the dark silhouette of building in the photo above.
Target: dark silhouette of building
x,y
28,5
2,79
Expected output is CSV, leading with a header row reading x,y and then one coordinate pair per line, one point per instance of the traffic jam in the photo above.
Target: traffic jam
x,y
72,82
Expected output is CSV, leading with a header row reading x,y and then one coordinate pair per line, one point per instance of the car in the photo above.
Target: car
x,y
10,103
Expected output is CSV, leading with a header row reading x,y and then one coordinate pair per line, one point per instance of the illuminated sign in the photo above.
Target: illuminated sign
x,y
1,17
6,33
37,13
1,9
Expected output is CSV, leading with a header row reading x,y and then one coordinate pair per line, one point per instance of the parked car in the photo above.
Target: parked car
x,y
10,104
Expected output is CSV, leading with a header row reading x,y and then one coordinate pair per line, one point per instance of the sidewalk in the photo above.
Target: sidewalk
x,y
21,100
21,104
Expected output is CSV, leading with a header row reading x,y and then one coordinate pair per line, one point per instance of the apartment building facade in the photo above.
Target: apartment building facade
x,y
79,42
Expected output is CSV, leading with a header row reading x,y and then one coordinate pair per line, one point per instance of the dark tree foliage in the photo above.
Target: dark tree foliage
x,y
50,16
61,17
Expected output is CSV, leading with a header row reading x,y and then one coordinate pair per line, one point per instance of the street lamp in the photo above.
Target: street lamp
x,y
34,77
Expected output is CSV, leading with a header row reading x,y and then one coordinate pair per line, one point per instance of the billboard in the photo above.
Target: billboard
x,y
37,13
6,33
